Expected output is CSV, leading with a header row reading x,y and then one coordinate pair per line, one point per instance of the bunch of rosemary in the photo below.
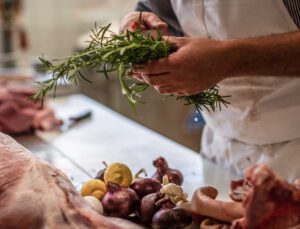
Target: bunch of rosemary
x,y
108,52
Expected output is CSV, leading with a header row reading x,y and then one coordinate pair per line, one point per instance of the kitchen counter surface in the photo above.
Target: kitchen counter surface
x,y
111,137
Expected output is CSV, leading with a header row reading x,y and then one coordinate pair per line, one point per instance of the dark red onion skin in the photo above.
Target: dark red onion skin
x,y
198,219
119,201
152,203
160,162
174,175
167,204
175,218
148,208
146,186
134,218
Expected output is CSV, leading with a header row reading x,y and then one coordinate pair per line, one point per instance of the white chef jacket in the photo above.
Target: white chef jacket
x,y
262,123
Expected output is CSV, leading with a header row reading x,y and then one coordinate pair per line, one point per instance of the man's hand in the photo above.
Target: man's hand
x,y
149,22
198,64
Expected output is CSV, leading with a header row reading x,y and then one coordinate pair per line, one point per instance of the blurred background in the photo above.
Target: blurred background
x,y
57,28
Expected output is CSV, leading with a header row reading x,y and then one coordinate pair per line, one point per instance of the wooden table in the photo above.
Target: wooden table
x,y
111,137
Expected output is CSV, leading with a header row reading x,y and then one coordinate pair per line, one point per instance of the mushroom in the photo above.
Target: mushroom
x,y
204,203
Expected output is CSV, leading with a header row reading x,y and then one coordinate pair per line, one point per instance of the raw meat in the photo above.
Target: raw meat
x,y
18,114
240,189
35,195
272,203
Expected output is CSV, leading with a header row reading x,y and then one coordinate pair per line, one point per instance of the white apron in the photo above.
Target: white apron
x,y
262,124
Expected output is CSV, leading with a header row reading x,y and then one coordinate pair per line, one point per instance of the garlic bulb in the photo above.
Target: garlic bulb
x,y
173,191
94,203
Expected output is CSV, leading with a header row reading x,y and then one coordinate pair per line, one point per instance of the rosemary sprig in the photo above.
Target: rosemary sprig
x,y
108,52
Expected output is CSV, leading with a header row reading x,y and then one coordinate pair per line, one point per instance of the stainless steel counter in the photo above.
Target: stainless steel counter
x,y
111,137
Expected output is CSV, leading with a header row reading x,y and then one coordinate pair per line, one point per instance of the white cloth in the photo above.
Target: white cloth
x,y
262,123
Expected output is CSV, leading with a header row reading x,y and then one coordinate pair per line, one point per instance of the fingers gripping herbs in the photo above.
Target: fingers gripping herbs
x,y
109,52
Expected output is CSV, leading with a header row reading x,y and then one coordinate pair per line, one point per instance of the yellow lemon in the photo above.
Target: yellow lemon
x,y
118,173
94,187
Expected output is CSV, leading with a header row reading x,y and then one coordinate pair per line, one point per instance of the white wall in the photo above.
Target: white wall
x,y
54,26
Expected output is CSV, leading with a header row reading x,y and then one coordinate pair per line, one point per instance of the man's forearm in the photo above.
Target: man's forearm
x,y
275,55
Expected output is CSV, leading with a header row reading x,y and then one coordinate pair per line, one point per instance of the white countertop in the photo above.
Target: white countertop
x,y
111,137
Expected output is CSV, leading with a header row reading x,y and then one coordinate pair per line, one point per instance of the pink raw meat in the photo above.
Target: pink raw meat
x,y
271,203
19,114
35,195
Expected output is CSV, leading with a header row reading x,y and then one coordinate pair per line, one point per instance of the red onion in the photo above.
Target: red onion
x,y
151,203
119,201
135,218
148,207
198,219
146,186
165,203
163,169
175,218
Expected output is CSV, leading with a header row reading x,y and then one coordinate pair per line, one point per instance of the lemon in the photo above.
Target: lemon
x,y
118,173
94,187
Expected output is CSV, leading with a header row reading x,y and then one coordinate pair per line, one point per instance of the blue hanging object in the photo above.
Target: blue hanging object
x,y
195,121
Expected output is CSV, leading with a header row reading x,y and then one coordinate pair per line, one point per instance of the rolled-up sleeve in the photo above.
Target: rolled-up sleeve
x,y
164,10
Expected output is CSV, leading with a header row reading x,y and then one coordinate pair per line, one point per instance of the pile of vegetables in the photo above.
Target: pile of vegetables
x,y
149,201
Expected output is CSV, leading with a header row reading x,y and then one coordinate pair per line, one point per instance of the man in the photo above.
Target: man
x,y
251,49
